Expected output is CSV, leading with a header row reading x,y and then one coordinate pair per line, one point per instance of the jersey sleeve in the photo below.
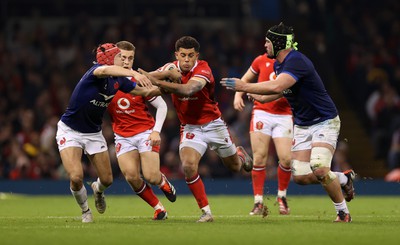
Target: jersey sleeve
x,y
126,84
255,65
296,67
203,71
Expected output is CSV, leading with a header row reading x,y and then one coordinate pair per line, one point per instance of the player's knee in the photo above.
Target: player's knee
x,y
76,180
326,179
131,178
234,166
320,172
259,160
153,178
320,161
285,161
189,170
107,181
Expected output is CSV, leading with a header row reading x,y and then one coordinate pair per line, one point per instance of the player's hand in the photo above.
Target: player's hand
x,y
232,83
238,103
175,75
154,138
153,80
250,97
142,80
254,97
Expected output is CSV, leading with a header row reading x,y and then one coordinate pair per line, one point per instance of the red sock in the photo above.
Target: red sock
x,y
147,194
196,186
283,177
258,176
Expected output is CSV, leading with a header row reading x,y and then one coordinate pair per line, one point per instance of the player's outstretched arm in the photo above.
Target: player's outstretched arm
x,y
119,71
173,75
142,80
146,92
192,86
277,86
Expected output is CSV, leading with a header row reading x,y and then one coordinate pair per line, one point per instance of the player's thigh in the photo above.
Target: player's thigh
x,y
129,163
283,148
302,155
260,146
101,162
150,162
189,156
71,159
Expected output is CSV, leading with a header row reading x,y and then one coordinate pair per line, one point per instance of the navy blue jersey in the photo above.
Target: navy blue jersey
x,y
90,99
308,97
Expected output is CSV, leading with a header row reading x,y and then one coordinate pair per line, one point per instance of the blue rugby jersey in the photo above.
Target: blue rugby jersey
x,y
90,99
308,98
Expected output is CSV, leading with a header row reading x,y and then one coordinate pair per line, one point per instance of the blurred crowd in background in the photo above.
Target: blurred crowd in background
x,y
354,45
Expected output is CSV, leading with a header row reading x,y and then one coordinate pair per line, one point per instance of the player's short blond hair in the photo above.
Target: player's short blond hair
x,y
125,45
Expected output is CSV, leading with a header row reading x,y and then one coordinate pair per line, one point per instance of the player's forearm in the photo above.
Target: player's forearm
x,y
115,71
266,98
179,89
239,94
161,75
146,92
261,88
161,113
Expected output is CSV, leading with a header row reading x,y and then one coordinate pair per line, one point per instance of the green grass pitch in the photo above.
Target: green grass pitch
x,y
56,220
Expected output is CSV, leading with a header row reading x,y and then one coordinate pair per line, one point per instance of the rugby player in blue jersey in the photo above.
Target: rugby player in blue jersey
x,y
316,119
79,129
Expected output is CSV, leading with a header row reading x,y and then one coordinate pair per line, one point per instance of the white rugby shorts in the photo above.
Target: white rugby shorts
x,y
139,142
323,132
214,135
277,126
91,143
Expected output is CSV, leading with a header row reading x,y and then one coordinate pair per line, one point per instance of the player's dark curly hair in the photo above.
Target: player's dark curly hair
x,y
187,42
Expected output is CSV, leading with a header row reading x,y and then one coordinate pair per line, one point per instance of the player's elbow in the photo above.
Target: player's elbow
x,y
107,70
277,89
100,71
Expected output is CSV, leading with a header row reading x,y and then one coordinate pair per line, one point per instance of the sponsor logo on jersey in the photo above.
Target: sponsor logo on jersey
x,y
99,103
187,98
123,103
107,97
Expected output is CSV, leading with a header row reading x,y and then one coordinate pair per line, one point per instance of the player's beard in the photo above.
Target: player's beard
x,y
271,56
